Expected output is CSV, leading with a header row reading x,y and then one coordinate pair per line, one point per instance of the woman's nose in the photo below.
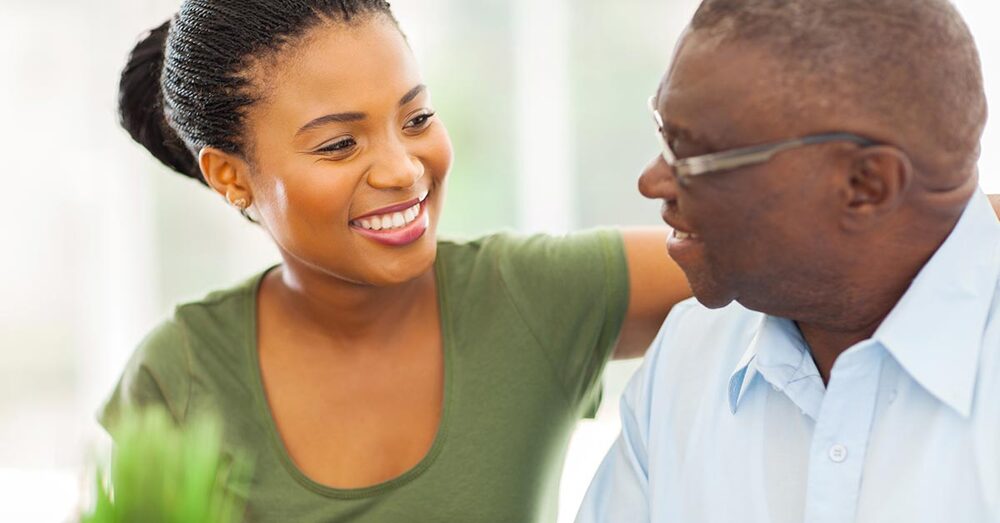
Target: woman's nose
x,y
398,169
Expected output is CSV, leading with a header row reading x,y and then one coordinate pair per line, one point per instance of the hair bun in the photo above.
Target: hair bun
x,y
140,105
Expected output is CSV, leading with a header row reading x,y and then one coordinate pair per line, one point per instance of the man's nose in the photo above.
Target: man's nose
x,y
657,181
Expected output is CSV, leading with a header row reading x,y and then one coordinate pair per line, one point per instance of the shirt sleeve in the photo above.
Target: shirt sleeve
x,y
619,490
572,292
158,374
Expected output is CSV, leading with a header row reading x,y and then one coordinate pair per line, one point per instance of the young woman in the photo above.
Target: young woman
x,y
377,373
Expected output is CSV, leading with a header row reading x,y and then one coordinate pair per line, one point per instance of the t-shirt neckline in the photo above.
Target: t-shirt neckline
x,y
263,408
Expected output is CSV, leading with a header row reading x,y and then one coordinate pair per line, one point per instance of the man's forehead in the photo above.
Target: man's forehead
x,y
709,62
713,83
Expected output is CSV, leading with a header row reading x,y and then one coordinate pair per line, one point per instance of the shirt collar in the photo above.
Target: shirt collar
x,y
934,331
779,355
744,373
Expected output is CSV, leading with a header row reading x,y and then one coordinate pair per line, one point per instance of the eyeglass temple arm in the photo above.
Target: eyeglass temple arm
x,y
758,154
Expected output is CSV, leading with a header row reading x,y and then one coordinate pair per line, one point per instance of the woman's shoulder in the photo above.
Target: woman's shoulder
x,y
225,308
221,319
533,270
512,246
481,260
200,335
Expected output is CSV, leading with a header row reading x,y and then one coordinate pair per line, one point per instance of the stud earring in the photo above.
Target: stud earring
x,y
241,204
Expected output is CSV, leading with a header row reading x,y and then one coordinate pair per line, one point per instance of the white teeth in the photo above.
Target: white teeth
x,y
389,221
681,235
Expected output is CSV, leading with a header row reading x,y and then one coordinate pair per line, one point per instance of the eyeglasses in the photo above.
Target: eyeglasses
x,y
743,156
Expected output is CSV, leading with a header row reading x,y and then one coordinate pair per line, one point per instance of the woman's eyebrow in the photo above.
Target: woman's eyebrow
x,y
411,94
355,116
331,118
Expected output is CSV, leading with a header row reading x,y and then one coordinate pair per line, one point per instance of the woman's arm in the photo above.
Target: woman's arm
x,y
995,200
656,284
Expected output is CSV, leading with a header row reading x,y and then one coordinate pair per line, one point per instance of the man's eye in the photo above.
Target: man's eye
x,y
685,149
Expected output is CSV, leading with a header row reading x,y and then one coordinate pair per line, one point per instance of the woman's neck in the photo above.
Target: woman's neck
x,y
345,311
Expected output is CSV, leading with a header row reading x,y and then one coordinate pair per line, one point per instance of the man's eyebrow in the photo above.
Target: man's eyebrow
x,y
331,118
673,130
411,94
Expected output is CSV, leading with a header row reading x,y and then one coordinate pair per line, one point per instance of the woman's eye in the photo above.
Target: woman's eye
x,y
419,121
338,146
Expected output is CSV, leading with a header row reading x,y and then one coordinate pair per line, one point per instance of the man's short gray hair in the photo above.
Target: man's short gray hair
x,y
908,64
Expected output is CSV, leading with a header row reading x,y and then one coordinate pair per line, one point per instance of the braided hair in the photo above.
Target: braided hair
x,y
186,84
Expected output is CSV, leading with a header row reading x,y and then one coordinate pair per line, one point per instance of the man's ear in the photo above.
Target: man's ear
x,y
227,174
875,185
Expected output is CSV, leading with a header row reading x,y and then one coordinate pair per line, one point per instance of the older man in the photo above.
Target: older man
x,y
819,169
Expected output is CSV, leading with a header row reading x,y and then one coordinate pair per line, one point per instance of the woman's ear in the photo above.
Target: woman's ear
x,y
226,174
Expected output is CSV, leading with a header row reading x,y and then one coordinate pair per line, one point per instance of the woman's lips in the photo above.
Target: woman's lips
x,y
393,208
395,229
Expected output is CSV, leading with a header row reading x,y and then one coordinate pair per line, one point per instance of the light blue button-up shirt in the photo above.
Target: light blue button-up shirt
x,y
728,419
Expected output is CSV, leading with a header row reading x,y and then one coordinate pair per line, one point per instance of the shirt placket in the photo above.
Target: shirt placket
x,y
840,439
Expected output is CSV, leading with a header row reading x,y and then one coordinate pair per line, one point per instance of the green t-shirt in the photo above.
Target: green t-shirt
x,y
527,325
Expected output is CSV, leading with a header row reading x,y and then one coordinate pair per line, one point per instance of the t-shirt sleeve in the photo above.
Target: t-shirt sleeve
x,y
158,374
572,291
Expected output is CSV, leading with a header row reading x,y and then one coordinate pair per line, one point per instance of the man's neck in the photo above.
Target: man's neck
x,y
876,284
874,291
826,345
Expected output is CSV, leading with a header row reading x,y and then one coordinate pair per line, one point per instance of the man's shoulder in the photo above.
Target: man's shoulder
x,y
696,341
691,323
691,316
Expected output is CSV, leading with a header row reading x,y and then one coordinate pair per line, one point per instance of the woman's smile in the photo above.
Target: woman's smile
x,y
396,225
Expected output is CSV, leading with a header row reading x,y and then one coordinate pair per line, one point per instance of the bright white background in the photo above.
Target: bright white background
x,y
545,102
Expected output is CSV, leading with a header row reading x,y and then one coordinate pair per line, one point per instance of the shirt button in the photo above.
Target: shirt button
x,y
838,453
